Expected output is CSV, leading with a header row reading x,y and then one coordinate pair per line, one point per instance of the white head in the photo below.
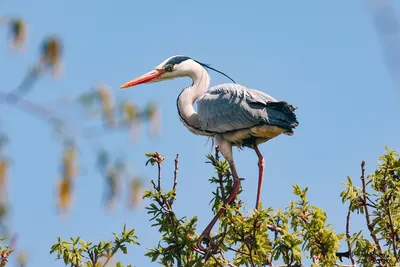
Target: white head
x,y
171,68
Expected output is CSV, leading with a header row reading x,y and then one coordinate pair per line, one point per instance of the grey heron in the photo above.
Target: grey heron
x,y
232,114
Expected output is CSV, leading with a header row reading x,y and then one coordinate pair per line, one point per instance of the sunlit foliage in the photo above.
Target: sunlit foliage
x,y
298,235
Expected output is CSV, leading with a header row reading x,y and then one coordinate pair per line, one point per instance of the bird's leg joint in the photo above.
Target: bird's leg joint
x,y
261,162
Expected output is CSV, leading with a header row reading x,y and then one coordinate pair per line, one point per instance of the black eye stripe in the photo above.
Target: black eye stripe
x,y
169,65
177,60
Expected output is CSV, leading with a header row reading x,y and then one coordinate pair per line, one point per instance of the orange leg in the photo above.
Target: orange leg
x,y
260,175
205,236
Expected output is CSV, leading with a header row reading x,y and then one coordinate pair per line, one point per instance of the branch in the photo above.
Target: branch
x,y
39,112
29,107
229,264
367,216
393,235
159,173
115,250
176,172
274,228
220,176
348,236
296,265
216,260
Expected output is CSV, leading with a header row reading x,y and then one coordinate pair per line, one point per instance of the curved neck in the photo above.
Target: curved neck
x,y
189,95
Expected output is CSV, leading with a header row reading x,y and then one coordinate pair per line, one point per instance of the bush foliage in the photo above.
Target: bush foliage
x,y
283,237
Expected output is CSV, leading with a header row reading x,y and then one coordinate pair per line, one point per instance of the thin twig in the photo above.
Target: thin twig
x,y
44,114
275,243
296,265
251,255
348,235
176,172
220,176
217,261
367,216
237,251
393,235
175,179
159,175
111,255
229,264
29,107
274,228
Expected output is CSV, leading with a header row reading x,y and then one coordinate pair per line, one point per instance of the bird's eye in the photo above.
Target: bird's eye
x,y
169,68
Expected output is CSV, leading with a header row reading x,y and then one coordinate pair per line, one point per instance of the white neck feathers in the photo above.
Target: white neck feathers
x,y
189,95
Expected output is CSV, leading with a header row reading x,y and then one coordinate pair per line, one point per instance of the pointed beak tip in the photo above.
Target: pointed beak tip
x,y
126,85
145,78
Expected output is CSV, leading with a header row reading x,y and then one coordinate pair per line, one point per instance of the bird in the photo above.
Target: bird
x,y
232,114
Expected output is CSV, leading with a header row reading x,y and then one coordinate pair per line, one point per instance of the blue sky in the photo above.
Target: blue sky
x,y
321,56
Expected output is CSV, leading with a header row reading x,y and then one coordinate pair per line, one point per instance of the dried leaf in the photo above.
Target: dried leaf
x,y
64,194
51,54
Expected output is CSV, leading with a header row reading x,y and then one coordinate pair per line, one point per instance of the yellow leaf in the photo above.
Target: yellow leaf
x,y
3,172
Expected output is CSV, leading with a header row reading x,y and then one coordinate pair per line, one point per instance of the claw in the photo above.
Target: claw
x,y
208,240
211,249
205,236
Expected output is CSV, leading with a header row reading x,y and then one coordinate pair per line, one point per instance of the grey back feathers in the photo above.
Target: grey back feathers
x,y
228,107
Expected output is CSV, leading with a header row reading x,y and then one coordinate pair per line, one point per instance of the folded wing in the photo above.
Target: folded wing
x,y
229,107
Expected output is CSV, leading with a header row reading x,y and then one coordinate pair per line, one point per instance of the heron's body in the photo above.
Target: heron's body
x,y
242,116
232,114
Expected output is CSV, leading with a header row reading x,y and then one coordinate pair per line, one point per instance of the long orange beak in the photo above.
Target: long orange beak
x,y
145,78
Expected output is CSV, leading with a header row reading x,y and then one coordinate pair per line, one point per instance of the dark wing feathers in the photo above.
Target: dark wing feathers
x,y
228,107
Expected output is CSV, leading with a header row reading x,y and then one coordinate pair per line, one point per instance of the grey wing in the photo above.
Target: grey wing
x,y
229,107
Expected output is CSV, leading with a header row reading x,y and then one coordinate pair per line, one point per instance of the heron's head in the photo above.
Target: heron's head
x,y
171,68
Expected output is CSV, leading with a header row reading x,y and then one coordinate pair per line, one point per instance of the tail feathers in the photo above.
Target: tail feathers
x,y
282,114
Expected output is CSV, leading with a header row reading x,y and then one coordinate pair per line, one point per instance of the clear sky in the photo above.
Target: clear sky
x,y
321,56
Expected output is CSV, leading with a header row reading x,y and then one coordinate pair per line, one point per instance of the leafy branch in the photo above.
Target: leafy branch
x,y
268,237
79,253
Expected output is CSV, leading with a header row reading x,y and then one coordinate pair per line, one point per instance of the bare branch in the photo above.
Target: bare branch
x,y
159,175
274,228
176,172
29,107
175,177
367,215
